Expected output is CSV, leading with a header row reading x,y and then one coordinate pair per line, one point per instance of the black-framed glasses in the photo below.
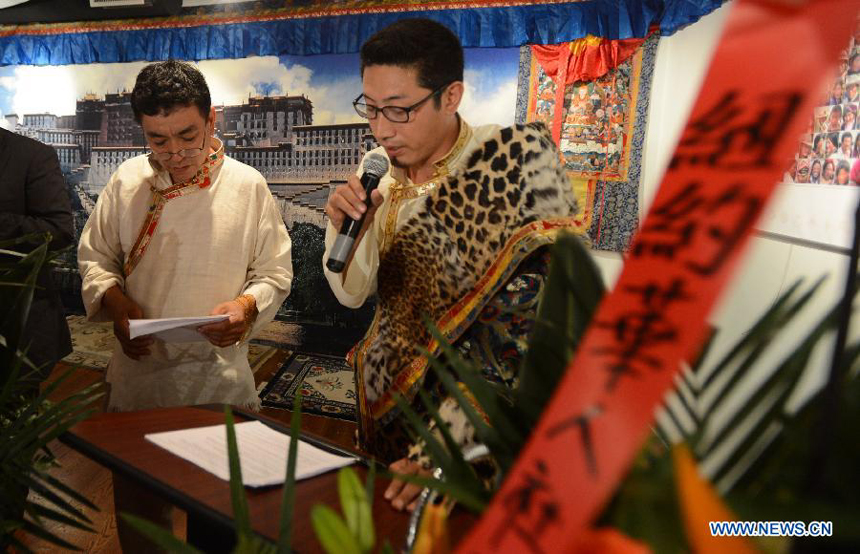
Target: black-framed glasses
x,y
395,114
186,153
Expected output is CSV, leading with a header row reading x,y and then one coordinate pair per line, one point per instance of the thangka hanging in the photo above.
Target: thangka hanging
x,y
600,131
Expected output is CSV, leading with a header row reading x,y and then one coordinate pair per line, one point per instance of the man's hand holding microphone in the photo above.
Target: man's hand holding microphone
x,y
351,209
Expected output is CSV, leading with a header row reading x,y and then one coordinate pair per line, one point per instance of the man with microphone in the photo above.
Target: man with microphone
x,y
412,77
412,85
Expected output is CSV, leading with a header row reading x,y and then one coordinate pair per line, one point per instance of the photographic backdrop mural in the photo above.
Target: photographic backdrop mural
x,y
291,118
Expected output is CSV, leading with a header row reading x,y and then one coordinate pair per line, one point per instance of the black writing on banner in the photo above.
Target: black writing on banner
x,y
738,132
531,508
699,226
744,124
643,326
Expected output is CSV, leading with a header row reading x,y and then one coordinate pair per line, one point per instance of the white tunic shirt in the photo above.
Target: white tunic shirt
x,y
209,247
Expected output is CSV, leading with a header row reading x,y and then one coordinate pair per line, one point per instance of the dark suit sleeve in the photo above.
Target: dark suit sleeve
x,y
48,208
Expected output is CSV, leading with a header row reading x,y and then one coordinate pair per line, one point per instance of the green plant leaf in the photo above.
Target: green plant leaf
x,y
781,469
159,535
369,483
762,332
237,488
28,424
50,424
52,481
500,446
784,378
288,500
645,505
26,476
253,544
40,511
332,532
16,318
356,508
462,494
469,487
570,296
486,394
457,466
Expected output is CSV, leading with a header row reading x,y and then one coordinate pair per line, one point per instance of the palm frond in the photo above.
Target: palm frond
x,y
503,419
241,517
733,443
571,294
467,488
158,535
28,424
288,500
40,532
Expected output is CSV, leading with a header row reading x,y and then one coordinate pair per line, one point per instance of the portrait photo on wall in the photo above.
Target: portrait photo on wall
x,y
291,118
828,153
818,194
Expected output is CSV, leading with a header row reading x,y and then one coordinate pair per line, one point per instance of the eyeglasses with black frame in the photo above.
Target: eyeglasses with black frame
x,y
395,114
186,153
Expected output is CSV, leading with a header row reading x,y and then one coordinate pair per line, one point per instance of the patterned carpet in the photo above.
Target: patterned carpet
x,y
327,386
93,343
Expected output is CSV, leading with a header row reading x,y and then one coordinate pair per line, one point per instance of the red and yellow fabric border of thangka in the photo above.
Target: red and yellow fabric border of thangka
x,y
603,87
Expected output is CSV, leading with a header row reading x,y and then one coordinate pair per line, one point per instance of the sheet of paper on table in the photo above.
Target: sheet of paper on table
x,y
262,452
173,329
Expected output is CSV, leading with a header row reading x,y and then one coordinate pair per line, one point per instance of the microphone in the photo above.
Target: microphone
x,y
375,166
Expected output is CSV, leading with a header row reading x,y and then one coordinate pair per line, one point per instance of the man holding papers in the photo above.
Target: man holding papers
x,y
183,232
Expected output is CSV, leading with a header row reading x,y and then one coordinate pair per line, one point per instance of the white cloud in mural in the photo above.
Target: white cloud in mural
x,y
55,89
487,101
232,81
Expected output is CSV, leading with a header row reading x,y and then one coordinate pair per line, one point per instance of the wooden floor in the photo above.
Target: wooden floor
x,y
94,481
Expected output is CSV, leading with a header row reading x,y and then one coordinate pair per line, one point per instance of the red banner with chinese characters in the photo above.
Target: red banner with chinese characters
x,y
753,104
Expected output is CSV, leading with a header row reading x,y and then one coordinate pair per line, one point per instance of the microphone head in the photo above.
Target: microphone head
x,y
376,164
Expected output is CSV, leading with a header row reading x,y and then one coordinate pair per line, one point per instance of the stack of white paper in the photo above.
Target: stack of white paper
x,y
262,452
173,329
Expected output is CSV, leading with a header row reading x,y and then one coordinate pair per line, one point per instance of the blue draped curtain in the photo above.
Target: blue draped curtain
x,y
193,38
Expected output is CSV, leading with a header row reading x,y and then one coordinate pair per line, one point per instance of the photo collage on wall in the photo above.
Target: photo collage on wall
x,y
829,152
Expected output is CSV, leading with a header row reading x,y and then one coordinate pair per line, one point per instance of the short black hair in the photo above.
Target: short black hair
x,y
164,86
428,47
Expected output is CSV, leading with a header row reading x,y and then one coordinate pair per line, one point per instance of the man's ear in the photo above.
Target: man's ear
x,y
452,96
211,119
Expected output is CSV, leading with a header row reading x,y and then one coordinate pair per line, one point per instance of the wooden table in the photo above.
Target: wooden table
x,y
116,440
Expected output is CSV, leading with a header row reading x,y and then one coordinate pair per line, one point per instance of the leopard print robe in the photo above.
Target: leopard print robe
x,y
514,180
